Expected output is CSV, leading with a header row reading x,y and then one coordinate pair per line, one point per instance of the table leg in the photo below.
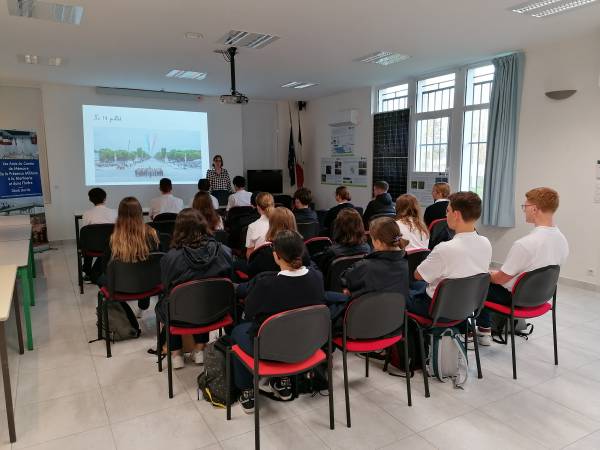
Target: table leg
x,y
26,288
7,390
18,319
32,259
78,250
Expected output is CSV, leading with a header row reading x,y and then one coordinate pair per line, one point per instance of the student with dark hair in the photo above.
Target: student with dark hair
x,y
97,215
382,202
302,210
167,202
437,210
294,286
194,255
241,197
202,202
467,254
342,197
204,186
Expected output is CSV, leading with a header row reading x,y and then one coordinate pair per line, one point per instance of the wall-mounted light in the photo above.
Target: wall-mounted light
x,y
560,95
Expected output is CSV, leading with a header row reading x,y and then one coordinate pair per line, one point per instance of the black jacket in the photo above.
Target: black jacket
x,y
212,259
435,211
305,215
379,271
332,214
381,204
324,259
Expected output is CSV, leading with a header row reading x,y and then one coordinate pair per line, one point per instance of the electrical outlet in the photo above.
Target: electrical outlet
x,y
591,272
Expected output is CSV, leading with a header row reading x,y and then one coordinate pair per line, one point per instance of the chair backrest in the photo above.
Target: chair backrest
x,y
360,210
163,226
222,195
239,218
94,238
293,336
459,298
384,214
239,212
134,278
222,236
435,222
165,217
201,302
284,200
333,281
536,287
317,244
439,232
165,241
414,258
262,260
375,315
309,229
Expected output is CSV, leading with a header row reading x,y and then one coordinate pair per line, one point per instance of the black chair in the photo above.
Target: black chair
x,y
236,225
439,232
283,200
287,343
165,241
165,217
222,236
372,322
333,280
164,226
414,258
127,282
531,296
308,230
222,195
454,301
360,210
317,245
93,239
209,304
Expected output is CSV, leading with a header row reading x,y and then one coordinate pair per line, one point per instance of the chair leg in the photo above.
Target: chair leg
x,y
346,393
512,344
367,365
100,315
256,412
169,362
467,338
476,345
423,365
506,335
228,382
106,327
554,335
158,345
330,388
406,368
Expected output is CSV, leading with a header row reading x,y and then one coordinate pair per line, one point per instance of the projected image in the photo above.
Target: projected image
x,y
139,146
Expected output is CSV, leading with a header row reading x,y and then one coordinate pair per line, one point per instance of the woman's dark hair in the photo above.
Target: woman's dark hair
x,y
387,231
203,203
348,228
191,229
289,246
215,157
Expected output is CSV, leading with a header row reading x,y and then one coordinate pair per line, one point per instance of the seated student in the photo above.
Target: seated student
x,y
131,241
408,218
544,246
342,197
467,254
294,286
167,202
204,186
96,215
384,270
437,210
202,202
302,210
194,255
257,230
382,202
241,197
348,239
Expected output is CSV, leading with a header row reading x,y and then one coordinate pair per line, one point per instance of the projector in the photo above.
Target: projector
x,y
234,99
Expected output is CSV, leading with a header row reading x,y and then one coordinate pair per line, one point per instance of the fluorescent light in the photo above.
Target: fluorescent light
x,y
562,8
194,35
247,39
31,59
55,61
383,58
545,8
305,85
526,7
186,74
299,84
291,84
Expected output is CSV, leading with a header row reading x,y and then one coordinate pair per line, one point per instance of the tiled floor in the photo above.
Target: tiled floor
x,y
69,396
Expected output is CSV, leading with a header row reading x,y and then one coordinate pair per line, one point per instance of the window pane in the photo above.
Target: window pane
x,y
436,94
474,150
432,145
393,98
479,85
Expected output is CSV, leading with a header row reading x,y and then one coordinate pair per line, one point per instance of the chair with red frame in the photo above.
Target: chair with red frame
x,y
262,257
308,230
287,343
439,232
454,301
333,279
317,245
531,296
93,239
414,258
373,322
208,304
127,282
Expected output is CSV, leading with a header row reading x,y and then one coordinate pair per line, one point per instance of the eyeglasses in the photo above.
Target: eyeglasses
x,y
523,207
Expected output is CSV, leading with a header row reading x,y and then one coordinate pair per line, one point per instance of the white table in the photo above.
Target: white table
x,y
8,297
15,220
15,232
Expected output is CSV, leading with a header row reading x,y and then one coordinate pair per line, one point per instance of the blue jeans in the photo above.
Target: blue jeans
x,y
242,377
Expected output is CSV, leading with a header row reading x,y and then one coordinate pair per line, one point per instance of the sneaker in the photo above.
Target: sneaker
x,y
484,336
177,361
87,279
197,356
140,313
281,387
247,401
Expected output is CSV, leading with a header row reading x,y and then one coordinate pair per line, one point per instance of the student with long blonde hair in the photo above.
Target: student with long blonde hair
x,y
203,203
257,230
408,218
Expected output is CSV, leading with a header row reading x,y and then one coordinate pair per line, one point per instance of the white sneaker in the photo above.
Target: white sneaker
x,y
140,313
197,356
177,361
484,337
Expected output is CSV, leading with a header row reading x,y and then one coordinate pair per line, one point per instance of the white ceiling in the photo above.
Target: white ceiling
x,y
134,43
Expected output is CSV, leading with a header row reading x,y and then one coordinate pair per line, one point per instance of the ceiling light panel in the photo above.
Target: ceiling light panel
x,y
546,8
54,12
186,74
246,39
299,84
383,58
53,61
194,35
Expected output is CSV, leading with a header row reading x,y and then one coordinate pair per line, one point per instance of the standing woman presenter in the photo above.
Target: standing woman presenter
x,y
220,183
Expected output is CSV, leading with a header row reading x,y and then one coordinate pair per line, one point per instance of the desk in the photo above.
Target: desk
x,y
23,219
8,296
19,233
17,252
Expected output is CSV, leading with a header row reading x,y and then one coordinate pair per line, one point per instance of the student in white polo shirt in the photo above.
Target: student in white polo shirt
x,y
544,246
100,213
465,255
167,202
241,197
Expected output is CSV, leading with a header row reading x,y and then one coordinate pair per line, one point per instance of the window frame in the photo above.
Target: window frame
x,y
376,102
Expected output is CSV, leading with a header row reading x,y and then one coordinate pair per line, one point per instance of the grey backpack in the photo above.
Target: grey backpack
x,y
447,357
212,382
121,322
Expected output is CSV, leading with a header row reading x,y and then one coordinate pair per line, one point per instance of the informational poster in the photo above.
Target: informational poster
x,y
20,180
420,185
597,188
342,140
344,171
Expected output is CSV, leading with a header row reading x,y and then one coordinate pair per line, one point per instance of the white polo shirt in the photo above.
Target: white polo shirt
x,y
239,198
465,255
213,199
166,203
257,232
99,214
544,246
416,239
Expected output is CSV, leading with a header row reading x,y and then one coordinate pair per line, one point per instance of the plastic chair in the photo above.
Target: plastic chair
x,y
454,301
531,296
165,241
208,304
93,239
333,280
222,236
317,245
414,258
308,230
163,226
165,217
439,232
287,343
372,322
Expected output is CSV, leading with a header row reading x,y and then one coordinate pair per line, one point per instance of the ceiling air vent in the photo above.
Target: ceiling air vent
x,y
383,58
54,12
246,39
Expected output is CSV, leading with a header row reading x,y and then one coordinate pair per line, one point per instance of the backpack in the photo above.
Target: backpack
x,y
447,357
121,321
500,327
396,358
212,382
312,382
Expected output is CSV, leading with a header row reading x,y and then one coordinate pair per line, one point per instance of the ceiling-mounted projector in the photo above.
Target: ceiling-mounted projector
x,y
235,98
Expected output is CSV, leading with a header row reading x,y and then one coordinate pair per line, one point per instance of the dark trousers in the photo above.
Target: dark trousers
x,y
497,294
175,341
337,303
242,376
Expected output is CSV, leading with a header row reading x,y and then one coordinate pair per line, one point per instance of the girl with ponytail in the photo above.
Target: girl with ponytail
x,y
257,230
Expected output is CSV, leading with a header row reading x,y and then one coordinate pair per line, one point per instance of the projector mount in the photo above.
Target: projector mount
x,y
235,97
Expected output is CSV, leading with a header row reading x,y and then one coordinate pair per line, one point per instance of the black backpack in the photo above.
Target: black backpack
x,y
500,326
212,381
121,321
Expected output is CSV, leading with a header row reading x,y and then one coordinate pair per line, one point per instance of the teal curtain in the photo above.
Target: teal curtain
x,y
499,182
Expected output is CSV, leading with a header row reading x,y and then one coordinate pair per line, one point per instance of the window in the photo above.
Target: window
x,y
475,128
436,94
393,98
